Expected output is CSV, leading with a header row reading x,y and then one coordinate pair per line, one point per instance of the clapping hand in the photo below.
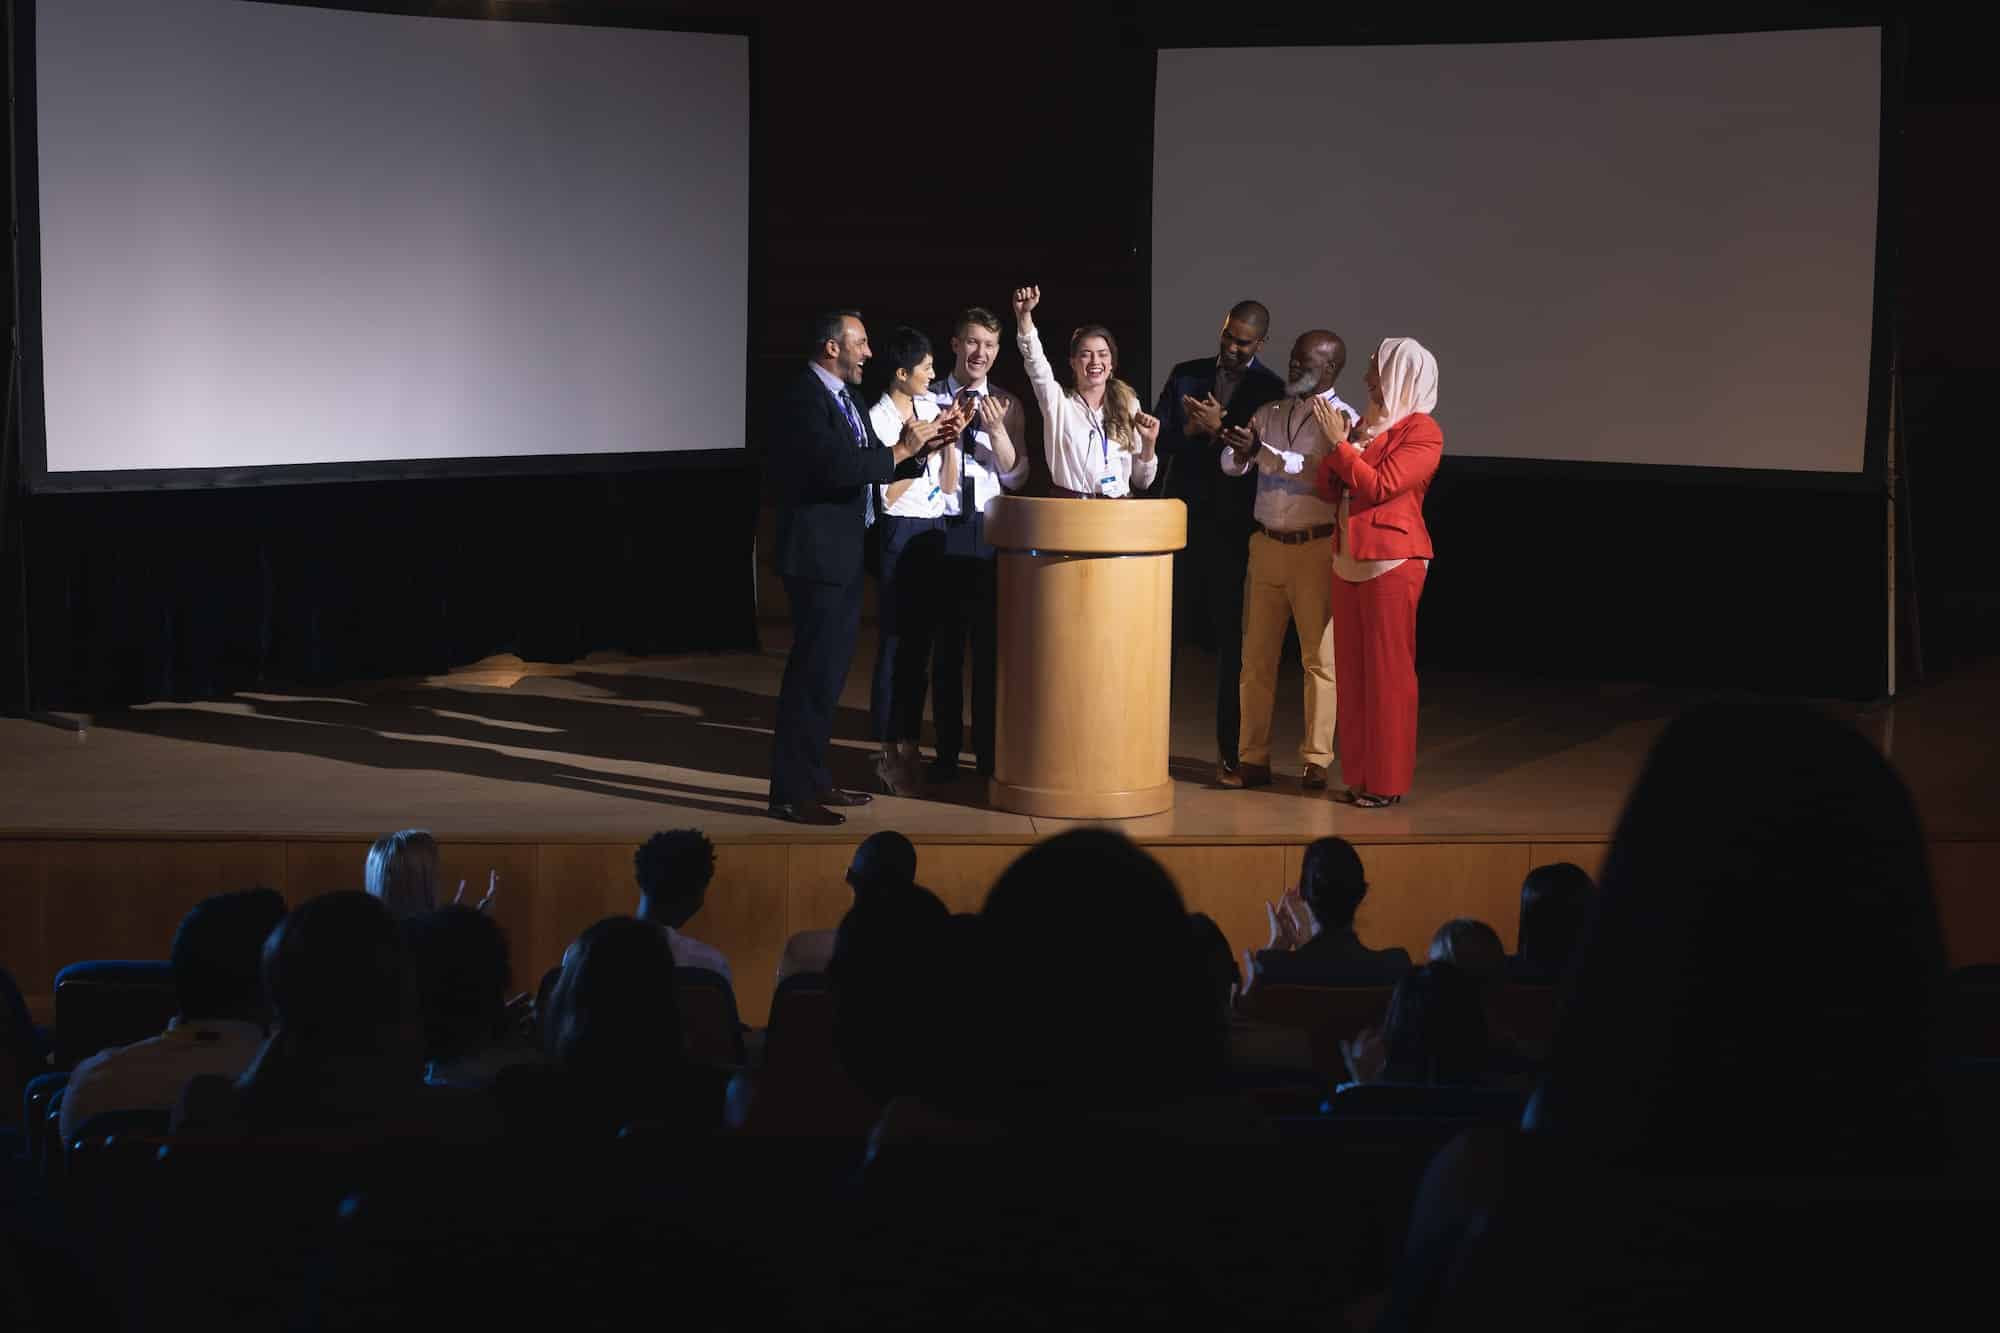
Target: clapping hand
x,y
1365,1054
1333,422
492,887
992,418
1204,414
1290,921
1240,442
915,439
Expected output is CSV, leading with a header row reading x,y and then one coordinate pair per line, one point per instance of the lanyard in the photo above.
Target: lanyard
x,y
1096,421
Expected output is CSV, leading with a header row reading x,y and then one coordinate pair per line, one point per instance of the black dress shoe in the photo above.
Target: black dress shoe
x,y
806,813
836,796
941,770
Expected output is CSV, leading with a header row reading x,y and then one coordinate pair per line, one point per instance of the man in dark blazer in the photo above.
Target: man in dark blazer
x,y
1200,399
821,467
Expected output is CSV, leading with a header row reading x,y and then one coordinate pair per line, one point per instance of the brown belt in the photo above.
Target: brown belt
x,y
1320,533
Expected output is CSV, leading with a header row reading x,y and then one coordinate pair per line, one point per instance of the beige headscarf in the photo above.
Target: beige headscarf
x,y
1409,375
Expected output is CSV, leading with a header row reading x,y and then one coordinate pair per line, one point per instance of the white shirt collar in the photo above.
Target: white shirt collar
x,y
952,386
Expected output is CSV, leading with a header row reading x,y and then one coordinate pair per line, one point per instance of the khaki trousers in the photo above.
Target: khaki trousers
x,y
1287,583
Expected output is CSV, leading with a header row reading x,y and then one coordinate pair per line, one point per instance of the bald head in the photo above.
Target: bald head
x,y
1318,357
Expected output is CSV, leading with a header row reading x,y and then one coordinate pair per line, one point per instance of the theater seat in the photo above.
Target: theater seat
x,y
1975,1005
1499,1107
100,1004
801,1090
1329,1014
709,1025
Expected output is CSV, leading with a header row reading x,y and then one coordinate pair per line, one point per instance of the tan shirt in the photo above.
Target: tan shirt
x,y
151,1073
1285,501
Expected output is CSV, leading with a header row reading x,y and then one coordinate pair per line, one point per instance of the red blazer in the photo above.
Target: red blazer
x,y
1386,485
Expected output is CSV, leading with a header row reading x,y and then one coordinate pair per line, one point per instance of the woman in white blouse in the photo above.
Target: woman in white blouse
x,y
910,528
1099,440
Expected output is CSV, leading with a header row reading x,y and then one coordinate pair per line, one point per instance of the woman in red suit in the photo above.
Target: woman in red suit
x,y
1381,554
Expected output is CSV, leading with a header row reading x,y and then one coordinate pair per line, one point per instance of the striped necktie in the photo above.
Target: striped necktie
x,y
854,424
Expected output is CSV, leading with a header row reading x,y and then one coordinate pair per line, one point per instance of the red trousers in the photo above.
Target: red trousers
x,y
1375,677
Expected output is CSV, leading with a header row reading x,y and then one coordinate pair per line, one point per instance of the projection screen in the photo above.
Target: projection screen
x,y
1643,251
276,236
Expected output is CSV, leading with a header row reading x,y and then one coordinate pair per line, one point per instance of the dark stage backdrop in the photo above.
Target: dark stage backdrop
x,y
1006,147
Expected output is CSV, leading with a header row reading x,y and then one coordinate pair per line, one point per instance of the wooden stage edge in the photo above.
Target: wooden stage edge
x,y
72,895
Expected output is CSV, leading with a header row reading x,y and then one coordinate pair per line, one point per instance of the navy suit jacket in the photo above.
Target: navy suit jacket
x,y
1196,463
818,477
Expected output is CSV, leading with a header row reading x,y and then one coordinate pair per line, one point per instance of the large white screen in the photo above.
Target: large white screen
x,y
1658,250
275,235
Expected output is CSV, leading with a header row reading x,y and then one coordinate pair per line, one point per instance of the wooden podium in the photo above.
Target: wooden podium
x,y
1086,655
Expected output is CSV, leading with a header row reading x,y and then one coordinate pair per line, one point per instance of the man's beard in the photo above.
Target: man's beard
x,y
1303,385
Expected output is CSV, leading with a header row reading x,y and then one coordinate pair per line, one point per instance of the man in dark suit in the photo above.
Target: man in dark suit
x,y
822,465
1332,884
1201,399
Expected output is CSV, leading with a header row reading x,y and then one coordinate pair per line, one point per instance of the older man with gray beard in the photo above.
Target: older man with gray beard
x,y
1291,559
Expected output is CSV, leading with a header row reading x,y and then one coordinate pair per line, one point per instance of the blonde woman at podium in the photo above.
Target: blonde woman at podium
x,y
1099,440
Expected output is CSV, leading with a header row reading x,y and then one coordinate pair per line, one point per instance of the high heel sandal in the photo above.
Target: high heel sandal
x,y
1370,801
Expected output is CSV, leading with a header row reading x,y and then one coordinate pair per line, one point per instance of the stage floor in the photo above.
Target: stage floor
x,y
550,775
615,747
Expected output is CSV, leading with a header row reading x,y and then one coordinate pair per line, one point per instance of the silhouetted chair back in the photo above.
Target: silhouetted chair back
x,y
20,1048
41,1105
1329,1014
100,1004
239,1228
802,1090
709,1025
1528,1012
1499,1107
1975,997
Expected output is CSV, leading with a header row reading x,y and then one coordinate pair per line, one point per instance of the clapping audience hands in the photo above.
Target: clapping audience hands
x,y
484,904
1364,1054
1291,921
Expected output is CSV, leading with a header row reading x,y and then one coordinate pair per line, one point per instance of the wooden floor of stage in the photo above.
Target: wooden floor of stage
x,y
550,774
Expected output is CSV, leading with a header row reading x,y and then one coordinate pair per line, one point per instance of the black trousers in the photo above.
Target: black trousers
x,y
826,618
908,609
970,603
1225,564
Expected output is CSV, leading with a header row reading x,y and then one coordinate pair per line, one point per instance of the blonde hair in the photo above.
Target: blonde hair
x,y
1120,399
402,871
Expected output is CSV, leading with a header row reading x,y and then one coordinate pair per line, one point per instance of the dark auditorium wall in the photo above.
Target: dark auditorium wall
x,y
1012,144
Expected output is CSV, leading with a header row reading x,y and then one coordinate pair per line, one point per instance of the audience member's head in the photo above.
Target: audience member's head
x,y
1436,1029
1555,904
402,871
673,869
1332,883
614,1016
339,982
887,972
1103,1001
1764,914
885,860
1474,948
218,956
460,957
1225,978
